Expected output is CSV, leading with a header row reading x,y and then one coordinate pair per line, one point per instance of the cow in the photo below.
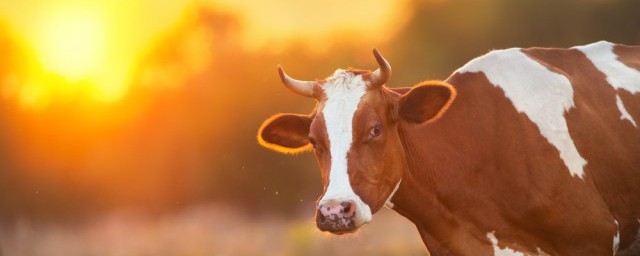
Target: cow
x,y
530,151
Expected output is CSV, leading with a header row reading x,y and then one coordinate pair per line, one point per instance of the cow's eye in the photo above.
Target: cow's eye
x,y
375,131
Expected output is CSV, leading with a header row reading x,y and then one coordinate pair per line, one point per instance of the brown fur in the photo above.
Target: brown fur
x,y
629,55
610,145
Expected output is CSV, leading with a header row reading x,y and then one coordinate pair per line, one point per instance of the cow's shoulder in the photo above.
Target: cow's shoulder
x,y
535,89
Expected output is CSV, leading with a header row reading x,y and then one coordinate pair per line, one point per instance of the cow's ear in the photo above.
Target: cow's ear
x,y
426,102
286,133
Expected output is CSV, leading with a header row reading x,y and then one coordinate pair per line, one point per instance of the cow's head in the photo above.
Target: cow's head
x,y
354,134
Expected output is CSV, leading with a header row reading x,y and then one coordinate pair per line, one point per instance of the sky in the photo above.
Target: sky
x,y
94,46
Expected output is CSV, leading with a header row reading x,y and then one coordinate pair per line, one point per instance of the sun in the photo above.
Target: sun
x,y
71,43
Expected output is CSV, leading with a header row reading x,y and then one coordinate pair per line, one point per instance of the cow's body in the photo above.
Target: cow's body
x,y
485,169
538,154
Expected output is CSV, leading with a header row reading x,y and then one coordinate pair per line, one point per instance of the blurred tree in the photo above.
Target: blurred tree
x,y
446,34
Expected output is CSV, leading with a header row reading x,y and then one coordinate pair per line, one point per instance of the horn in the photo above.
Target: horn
x,y
304,88
382,74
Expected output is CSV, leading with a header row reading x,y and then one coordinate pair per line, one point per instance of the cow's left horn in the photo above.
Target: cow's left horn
x,y
304,88
382,74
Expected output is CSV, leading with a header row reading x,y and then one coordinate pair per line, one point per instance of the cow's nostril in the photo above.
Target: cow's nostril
x,y
346,206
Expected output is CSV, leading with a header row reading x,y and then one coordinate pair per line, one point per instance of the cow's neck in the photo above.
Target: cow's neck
x,y
425,210
420,196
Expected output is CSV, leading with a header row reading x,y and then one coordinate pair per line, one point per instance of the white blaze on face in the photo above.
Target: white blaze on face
x,y
344,91
544,96
619,75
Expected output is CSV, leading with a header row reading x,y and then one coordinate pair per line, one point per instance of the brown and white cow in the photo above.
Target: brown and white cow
x,y
519,152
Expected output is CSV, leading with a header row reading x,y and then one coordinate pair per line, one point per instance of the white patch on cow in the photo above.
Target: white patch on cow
x,y
344,91
623,111
619,75
497,251
616,238
544,96
541,253
388,203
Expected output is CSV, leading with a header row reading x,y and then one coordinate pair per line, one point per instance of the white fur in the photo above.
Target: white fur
x,y
541,253
544,96
619,75
497,251
388,203
616,239
623,111
344,91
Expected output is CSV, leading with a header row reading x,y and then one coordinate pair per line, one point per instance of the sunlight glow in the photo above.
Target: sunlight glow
x,y
71,43
318,24
90,50
83,50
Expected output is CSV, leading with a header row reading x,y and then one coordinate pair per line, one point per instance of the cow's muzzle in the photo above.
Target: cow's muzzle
x,y
337,216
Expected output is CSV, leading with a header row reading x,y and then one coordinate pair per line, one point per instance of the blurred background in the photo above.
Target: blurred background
x,y
128,127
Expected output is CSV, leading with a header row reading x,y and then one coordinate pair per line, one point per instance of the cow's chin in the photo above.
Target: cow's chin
x,y
344,232
340,231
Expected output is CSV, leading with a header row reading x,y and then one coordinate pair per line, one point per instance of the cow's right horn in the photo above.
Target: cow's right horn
x,y
381,75
304,88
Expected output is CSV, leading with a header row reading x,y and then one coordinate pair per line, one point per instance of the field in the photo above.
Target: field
x,y
207,230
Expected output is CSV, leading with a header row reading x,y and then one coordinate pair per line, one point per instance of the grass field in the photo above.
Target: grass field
x,y
207,230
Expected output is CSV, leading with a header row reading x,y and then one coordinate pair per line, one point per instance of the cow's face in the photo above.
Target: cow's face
x,y
354,134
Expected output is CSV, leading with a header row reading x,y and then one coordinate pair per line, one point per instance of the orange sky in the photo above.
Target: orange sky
x,y
97,43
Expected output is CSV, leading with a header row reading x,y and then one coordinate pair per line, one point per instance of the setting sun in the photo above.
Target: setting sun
x,y
93,49
84,50
71,43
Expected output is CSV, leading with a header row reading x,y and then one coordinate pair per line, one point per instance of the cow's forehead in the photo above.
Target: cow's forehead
x,y
343,83
342,88
345,89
